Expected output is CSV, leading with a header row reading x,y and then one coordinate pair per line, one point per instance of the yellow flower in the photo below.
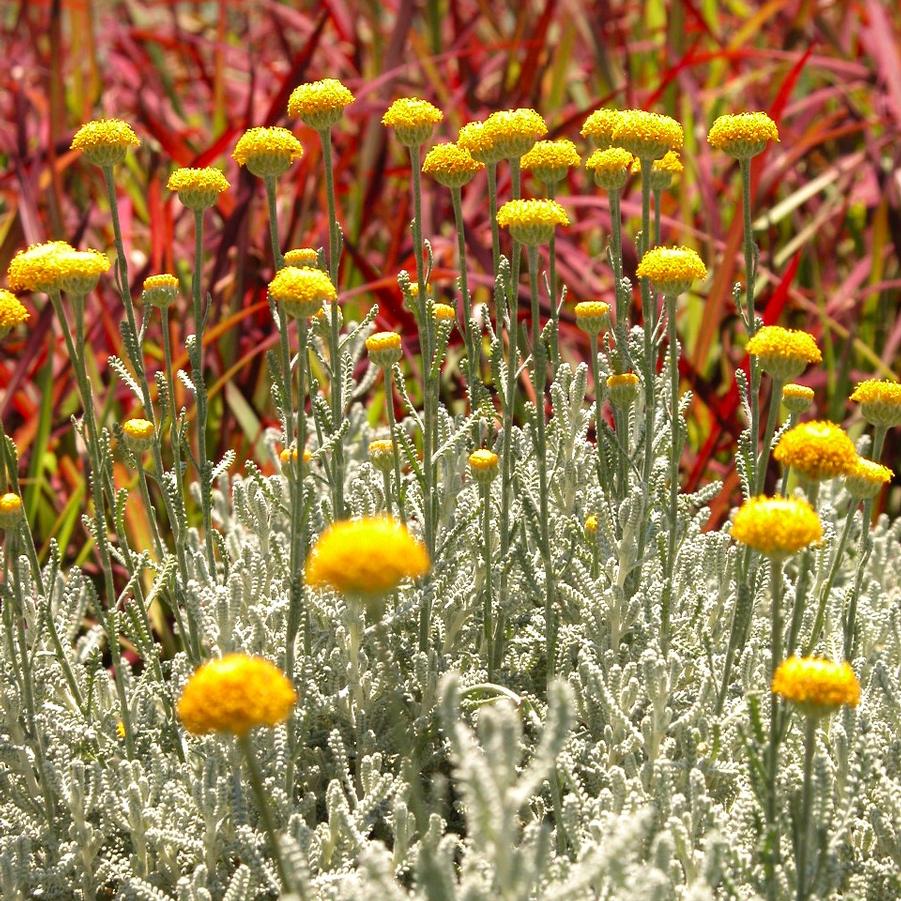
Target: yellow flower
x,y
450,165
880,402
319,104
267,152
365,557
610,167
12,312
80,270
549,161
120,729
302,290
104,142
671,270
381,453
198,189
11,510
160,290
384,348
480,142
776,526
412,120
647,135
663,170
591,524
483,465
816,685
866,479
37,269
302,257
599,127
290,456
817,450
783,353
743,135
514,131
797,398
235,694
532,222
139,434
444,312
623,388
592,316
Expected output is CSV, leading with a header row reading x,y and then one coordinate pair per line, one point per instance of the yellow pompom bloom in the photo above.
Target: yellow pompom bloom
x,y
866,479
783,353
444,312
412,119
235,694
37,269
591,524
198,189
12,312
610,167
80,270
139,434
483,465
532,222
160,290
267,152
623,389
120,729
647,135
320,104
880,402
11,510
599,127
742,135
817,450
384,348
549,161
302,290
816,685
450,165
663,170
302,257
776,526
671,270
480,142
514,131
592,316
797,398
290,456
366,557
104,142
381,454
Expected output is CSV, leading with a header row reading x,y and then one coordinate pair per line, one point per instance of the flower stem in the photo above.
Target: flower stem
x,y
675,448
771,810
491,169
616,252
771,419
472,350
810,728
487,602
395,450
823,593
552,276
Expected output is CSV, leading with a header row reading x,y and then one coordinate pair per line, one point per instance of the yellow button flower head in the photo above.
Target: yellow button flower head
x,y
450,165
160,290
880,402
320,104
783,353
776,526
366,557
412,120
549,161
381,454
11,510
532,222
816,685
742,135
866,479
483,464
817,450
198,189
592,316
302,257
290,456
515,131
444,312
12,312
663,170
234,694
610,167
797,398
37,269
599,127
623,389
647,135
591,524
80,270
302,291
267,152
384,348
671,270
139,434
481,143
104,142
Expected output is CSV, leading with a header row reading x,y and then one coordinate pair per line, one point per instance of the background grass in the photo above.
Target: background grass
x,y
191,77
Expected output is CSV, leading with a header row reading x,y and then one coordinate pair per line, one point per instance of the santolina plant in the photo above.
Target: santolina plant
x,y
487,651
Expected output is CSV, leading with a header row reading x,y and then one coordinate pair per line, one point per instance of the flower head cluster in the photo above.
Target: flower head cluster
x,y
104,142
514,132
623,389
866,479
37,268
450,165
11,510
480,142
364,557
776,526
663,170
290,456
267,152
301,290
12,312
381,454
591,525
549,161
319,104
742,135
610,167
384,348
198,189
880,402
671,270
302,257
444,312
235,694
816,685
412,120
592,316
532,222
783,353
80,270
138,434
599,127
647,135
483,464
817,451
160,290
797,398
